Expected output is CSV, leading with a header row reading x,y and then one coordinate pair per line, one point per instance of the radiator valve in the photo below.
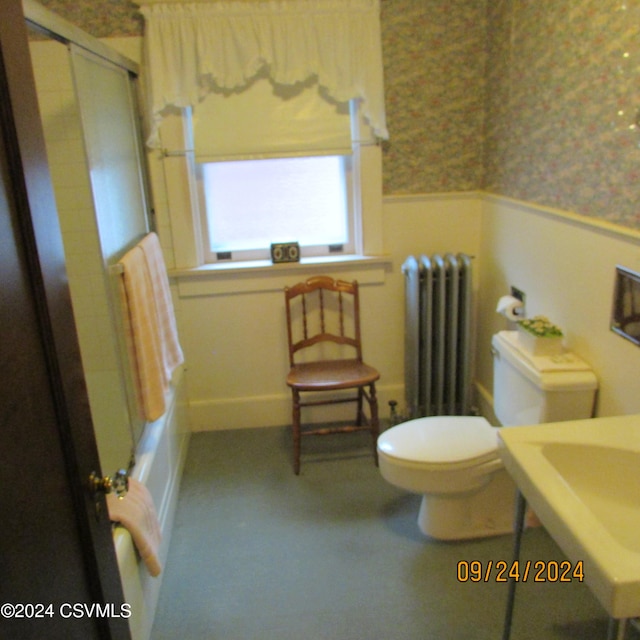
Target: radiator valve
x,y
394,417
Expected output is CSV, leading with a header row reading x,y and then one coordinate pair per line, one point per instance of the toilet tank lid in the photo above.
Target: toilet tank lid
x,y
566,371
440,439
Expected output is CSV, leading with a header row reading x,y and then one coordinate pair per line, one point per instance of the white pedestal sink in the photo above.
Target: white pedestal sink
x,y
582,478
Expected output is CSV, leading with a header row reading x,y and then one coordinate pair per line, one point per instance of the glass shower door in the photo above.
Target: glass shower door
x,y
89,118
106,101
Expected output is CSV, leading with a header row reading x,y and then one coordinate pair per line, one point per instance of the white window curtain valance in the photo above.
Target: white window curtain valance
x,y
191,48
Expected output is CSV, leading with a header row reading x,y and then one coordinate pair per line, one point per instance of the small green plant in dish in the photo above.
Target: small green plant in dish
x,y
540,327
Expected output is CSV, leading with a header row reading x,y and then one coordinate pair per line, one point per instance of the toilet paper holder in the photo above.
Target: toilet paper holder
x,y
511,308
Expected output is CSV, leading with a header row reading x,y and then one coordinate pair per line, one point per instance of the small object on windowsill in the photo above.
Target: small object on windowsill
x,y
285,252
540,337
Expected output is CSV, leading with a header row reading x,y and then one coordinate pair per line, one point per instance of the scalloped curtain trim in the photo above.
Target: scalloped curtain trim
x,y
191,47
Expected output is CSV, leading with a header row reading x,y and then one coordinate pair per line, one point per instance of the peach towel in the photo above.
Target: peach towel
x,y
152,324
136,512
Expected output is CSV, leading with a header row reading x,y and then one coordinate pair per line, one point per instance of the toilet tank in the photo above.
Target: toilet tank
x,y
530,390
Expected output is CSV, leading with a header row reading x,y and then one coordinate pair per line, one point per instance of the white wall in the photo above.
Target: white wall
x,y
233,329
566,266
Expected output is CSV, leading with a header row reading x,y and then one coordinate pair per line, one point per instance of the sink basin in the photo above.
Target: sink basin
x,y
582,478
607,481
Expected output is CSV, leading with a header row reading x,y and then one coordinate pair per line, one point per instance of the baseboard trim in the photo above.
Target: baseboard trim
x,y
274,410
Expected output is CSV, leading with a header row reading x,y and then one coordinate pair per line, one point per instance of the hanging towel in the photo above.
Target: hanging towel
x,y
135,511
130,346
172,355
152,325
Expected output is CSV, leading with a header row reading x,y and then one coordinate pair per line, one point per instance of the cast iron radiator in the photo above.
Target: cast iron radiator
x,y
438,335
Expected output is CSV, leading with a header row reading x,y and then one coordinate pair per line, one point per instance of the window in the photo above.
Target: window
x,y
259,180
275,164
250,204
210,60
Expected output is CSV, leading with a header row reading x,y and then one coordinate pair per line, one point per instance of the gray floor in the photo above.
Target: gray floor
x,y
335,553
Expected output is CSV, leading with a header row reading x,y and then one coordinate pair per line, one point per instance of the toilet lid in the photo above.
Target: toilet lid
x,y
441,439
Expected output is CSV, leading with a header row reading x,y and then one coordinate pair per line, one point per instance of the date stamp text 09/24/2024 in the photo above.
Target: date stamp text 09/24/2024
x,y
520,571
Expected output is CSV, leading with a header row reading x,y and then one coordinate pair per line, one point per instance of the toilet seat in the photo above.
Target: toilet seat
x,y
451,442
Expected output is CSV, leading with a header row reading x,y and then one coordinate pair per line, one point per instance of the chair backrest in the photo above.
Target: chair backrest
x,y
323,311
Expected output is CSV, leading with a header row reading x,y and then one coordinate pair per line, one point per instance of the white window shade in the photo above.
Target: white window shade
x,y
269,121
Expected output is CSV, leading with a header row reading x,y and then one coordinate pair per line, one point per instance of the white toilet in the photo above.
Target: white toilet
x,y
453,461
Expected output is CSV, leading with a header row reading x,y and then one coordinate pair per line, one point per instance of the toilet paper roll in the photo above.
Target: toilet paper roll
x,y
510,307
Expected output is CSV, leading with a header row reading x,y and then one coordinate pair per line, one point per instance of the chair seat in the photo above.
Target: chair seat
x,y
326,375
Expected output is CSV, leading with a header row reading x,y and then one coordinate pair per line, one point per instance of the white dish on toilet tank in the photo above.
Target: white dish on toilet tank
x,y
453,461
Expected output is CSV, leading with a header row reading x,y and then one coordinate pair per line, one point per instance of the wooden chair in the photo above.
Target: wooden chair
x,y
323,326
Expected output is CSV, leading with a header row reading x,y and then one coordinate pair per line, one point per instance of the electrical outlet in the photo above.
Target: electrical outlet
x,y
518,294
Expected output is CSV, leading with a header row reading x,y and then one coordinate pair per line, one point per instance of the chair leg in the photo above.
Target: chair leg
x,y
375,425
295,427
360,413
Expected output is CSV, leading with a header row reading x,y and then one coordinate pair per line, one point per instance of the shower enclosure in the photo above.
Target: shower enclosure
x,y
87,95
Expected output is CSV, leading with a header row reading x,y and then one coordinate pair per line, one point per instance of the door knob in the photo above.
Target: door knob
x,y
118,484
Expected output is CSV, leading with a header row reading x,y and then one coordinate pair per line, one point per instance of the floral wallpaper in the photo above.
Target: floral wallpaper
x,y
434,55
562,105
100,18
529,99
